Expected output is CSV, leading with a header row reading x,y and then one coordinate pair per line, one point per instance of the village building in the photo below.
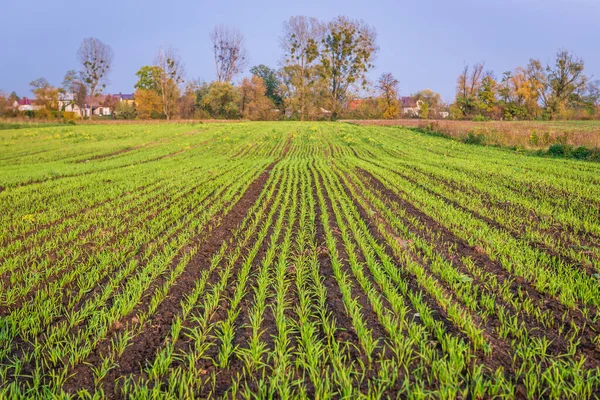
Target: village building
x,y
97,106
26,104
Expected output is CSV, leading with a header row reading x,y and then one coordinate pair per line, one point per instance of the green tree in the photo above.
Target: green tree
x,y
347,51
222,101
163,79
424,111
271,82
487,95
148,78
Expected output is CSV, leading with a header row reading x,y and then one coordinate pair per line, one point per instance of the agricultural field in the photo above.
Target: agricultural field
x,y
293,260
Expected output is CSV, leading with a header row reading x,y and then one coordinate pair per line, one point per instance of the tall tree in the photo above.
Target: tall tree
x,y
300,44
148,78
348,49
467,87
229,52
518,95
387,85
271,82
486,95
558,81
170,75
96,59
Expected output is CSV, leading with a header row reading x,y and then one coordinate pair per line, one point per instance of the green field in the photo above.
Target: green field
x,y
293,260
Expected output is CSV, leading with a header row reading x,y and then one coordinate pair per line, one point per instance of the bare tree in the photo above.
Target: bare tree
x,y
96,59
388,87
172,71
468,84
300,42
229,51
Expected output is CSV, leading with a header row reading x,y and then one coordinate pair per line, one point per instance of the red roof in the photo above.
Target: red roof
x,y
25,102
354,104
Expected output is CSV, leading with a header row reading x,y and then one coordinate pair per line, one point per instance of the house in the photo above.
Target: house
x,y
410,106
25,104
66,103
126,98
95,105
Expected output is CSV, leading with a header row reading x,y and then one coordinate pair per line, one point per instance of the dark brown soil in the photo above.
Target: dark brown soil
x,y
368,314
151,338
463,249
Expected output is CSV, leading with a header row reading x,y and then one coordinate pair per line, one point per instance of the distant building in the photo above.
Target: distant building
x,y
96,106
410,106
126,98
26,104
66,103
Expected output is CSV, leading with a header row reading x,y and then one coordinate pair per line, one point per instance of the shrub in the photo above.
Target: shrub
x,y
43,113
558,150
474,138
581,153
124,110
69,116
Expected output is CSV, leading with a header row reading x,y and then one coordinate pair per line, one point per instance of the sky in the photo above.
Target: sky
x,y
424,43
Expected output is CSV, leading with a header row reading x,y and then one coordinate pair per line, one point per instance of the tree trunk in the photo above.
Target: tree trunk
x,y
91,100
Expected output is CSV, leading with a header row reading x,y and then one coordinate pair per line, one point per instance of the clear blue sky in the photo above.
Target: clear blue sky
x,y
424,43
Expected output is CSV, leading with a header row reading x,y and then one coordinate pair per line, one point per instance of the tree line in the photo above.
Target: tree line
x,y
558,90
322,71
